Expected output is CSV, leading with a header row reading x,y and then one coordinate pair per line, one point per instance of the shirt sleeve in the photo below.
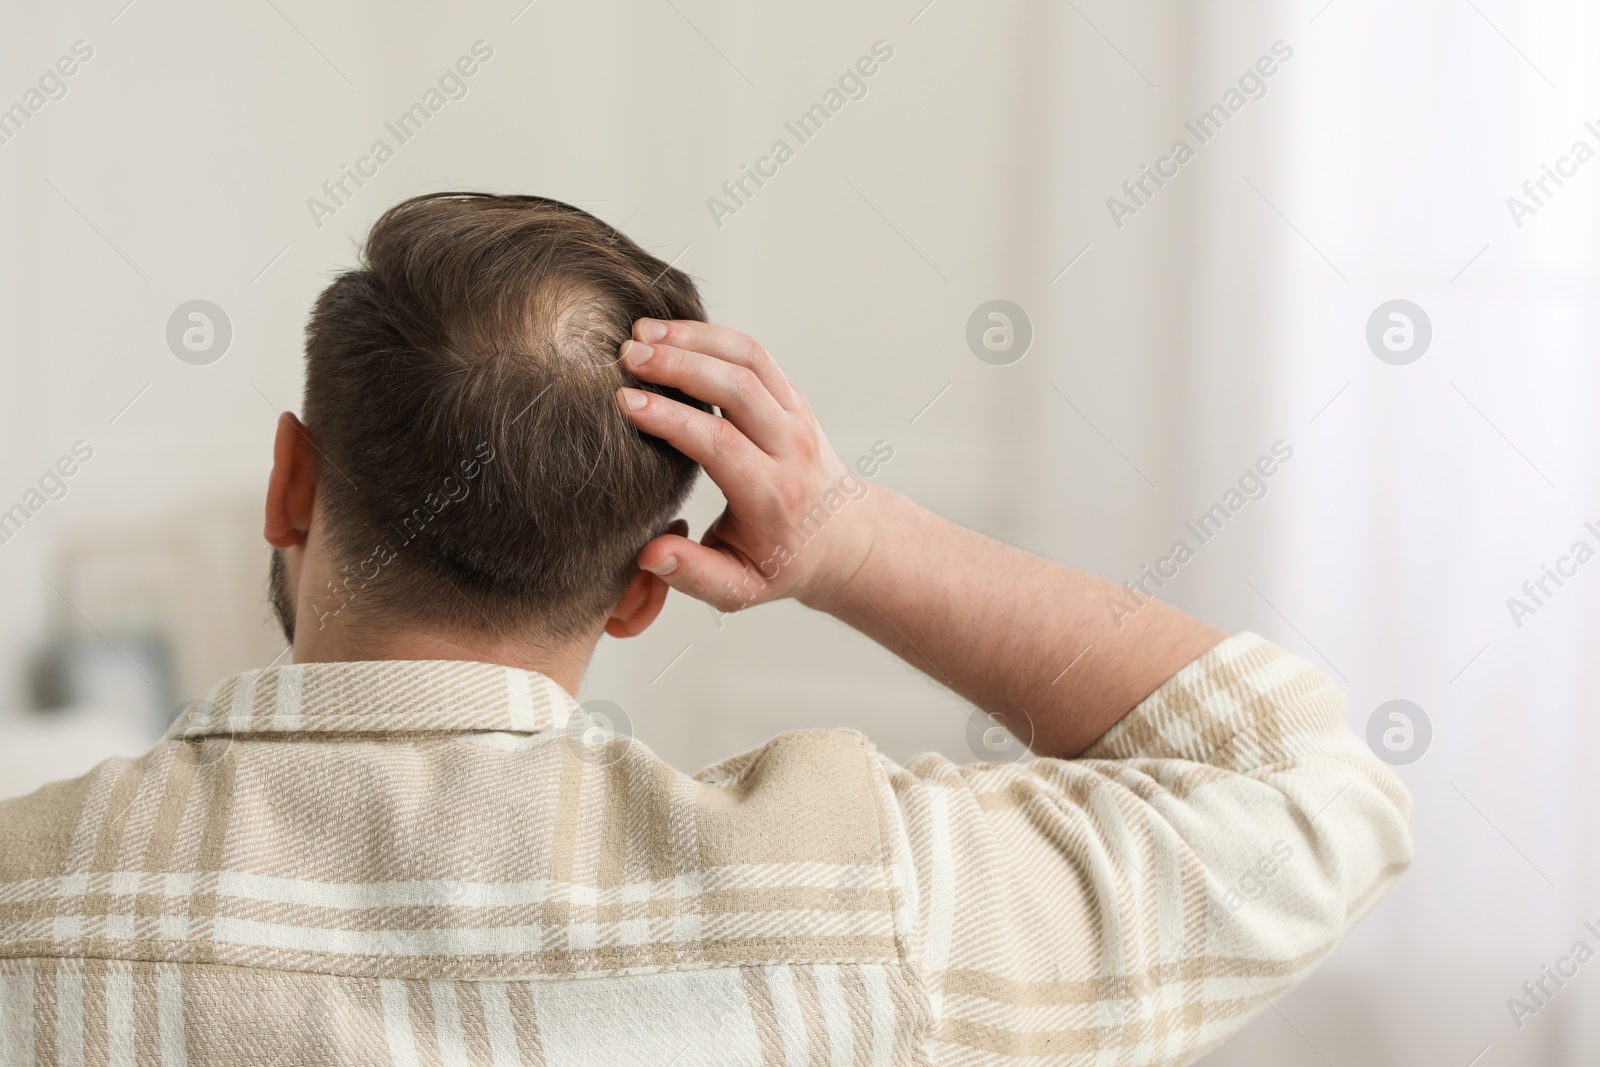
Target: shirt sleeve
x,y
1137,904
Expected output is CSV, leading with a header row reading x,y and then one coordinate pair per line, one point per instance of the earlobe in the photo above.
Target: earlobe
x,y
638,606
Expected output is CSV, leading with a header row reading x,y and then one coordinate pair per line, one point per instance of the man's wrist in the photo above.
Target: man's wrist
x,y
869,516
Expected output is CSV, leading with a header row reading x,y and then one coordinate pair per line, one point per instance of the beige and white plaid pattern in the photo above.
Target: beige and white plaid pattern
x,y
421,863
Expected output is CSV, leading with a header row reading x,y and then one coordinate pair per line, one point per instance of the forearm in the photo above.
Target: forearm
x,y
1011,631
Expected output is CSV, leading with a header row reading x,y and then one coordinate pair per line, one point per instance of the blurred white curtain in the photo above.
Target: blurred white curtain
x,y
1422,496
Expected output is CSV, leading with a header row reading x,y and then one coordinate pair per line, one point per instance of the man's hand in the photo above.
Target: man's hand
x,y
1019,636
769,457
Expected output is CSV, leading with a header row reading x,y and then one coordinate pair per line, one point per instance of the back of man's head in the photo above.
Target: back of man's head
x,y
475,470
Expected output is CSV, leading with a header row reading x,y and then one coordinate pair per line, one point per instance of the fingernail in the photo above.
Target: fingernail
x,y
664,567
636,353
632,399
652,329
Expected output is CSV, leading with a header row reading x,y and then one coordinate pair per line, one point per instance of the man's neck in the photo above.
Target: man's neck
x,y
564,663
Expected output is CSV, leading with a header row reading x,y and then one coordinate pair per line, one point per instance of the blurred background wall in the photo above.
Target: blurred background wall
x,y
1175,339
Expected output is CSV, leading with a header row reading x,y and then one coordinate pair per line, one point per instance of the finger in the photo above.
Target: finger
x,y
738,391
718,578
725,344
733,462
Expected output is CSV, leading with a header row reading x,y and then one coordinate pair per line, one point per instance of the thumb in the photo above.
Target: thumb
x,y
713,575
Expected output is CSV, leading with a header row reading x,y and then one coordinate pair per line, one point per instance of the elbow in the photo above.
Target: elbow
x,y
1388,816
1362,840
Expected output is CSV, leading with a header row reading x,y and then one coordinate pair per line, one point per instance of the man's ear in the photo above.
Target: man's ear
x,y
638,606
292,489
641,602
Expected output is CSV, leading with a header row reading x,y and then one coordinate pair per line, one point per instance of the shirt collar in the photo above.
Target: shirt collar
x,y
384,696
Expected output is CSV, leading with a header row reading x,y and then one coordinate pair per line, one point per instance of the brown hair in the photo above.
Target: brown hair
x,y
460,389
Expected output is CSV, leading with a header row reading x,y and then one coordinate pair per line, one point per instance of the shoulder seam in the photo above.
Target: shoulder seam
x,y
910,972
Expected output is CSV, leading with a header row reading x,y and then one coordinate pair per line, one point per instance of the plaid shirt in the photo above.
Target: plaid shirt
x,y
439,863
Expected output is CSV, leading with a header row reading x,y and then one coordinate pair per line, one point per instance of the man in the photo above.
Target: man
x,y
410,846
